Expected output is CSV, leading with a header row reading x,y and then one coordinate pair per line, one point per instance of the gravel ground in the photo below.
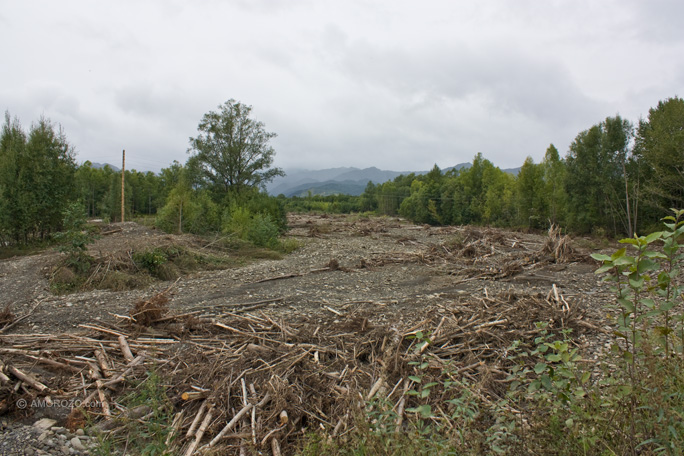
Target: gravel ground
x,y
344,261
42,438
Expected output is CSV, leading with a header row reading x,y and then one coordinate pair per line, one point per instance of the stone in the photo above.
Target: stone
x,y
80,431
76,444
44,423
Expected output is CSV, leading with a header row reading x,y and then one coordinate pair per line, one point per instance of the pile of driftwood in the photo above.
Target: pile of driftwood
x,y
243,378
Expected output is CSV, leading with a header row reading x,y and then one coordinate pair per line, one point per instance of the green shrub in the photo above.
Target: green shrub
x,y
257,228
263,232
144,437
188,212
75,238
150,259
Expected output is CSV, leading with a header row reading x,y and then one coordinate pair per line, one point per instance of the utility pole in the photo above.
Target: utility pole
x,y
123,173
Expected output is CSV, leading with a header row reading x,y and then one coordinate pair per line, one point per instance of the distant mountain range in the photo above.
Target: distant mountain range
x,y
333,181
102,165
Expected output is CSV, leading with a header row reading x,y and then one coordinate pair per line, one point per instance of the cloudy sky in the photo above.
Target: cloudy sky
x,y
395,84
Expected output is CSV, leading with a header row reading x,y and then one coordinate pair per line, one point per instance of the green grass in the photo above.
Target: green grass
x,y
141,437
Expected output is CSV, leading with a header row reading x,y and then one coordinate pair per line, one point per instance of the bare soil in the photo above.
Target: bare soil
x,y
380,261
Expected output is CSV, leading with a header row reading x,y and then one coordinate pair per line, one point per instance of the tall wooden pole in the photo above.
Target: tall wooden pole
x,y
123,173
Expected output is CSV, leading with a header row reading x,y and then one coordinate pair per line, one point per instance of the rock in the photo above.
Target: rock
x,y
76,444
80,432
44,423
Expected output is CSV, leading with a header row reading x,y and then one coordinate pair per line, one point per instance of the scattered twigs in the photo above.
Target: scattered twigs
x,y
200,432
307,372
18,320
26,378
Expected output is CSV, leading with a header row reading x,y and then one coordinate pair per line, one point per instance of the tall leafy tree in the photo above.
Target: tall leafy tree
x,y
37,179
553,171
232,150
499,189
595,177
54,168
15,205
660,143
530,198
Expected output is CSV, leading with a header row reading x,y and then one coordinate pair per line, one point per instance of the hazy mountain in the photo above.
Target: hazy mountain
x,y
102,165
331,187
350,181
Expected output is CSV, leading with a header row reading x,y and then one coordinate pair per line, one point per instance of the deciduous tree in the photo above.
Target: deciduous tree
x,y
232,150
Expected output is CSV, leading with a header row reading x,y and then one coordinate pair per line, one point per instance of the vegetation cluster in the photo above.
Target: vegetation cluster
x,y
616,179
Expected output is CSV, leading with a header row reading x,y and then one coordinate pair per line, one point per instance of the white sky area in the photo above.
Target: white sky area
x,y
397,84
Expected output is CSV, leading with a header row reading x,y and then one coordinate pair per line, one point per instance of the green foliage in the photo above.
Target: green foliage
x,y
151,259
75,238
187,211
232,152
142,437
595,177
598,188
257,218
257,228
164,263
36,180
531,200
660,143
636,407
553,171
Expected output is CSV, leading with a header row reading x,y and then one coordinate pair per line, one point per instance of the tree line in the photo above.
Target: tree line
x,y
217,189
614,179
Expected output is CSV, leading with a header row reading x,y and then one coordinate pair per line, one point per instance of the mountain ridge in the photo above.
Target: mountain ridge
x,y
343,180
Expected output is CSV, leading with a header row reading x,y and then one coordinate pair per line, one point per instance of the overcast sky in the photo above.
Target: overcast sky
x,y
396,84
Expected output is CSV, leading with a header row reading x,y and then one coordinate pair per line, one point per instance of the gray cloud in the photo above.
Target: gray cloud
x,y
398,85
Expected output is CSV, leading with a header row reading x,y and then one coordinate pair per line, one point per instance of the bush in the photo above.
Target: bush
x,y
75,238
263,232
257,228
188,212
261,203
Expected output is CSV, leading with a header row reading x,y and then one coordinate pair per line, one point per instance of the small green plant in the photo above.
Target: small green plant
x,y
146,437
650,336
75,238
423,390
151,259
257,228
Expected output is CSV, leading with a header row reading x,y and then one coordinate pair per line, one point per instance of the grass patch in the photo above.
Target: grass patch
x,y
144,437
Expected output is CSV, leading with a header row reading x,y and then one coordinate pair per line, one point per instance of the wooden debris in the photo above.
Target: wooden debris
x,y
309,372
125,349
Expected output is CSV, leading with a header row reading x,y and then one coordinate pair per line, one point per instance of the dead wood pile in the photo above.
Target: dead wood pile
x,y
246,379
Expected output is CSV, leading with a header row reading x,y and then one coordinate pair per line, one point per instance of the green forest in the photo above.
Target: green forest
x,y
616,178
